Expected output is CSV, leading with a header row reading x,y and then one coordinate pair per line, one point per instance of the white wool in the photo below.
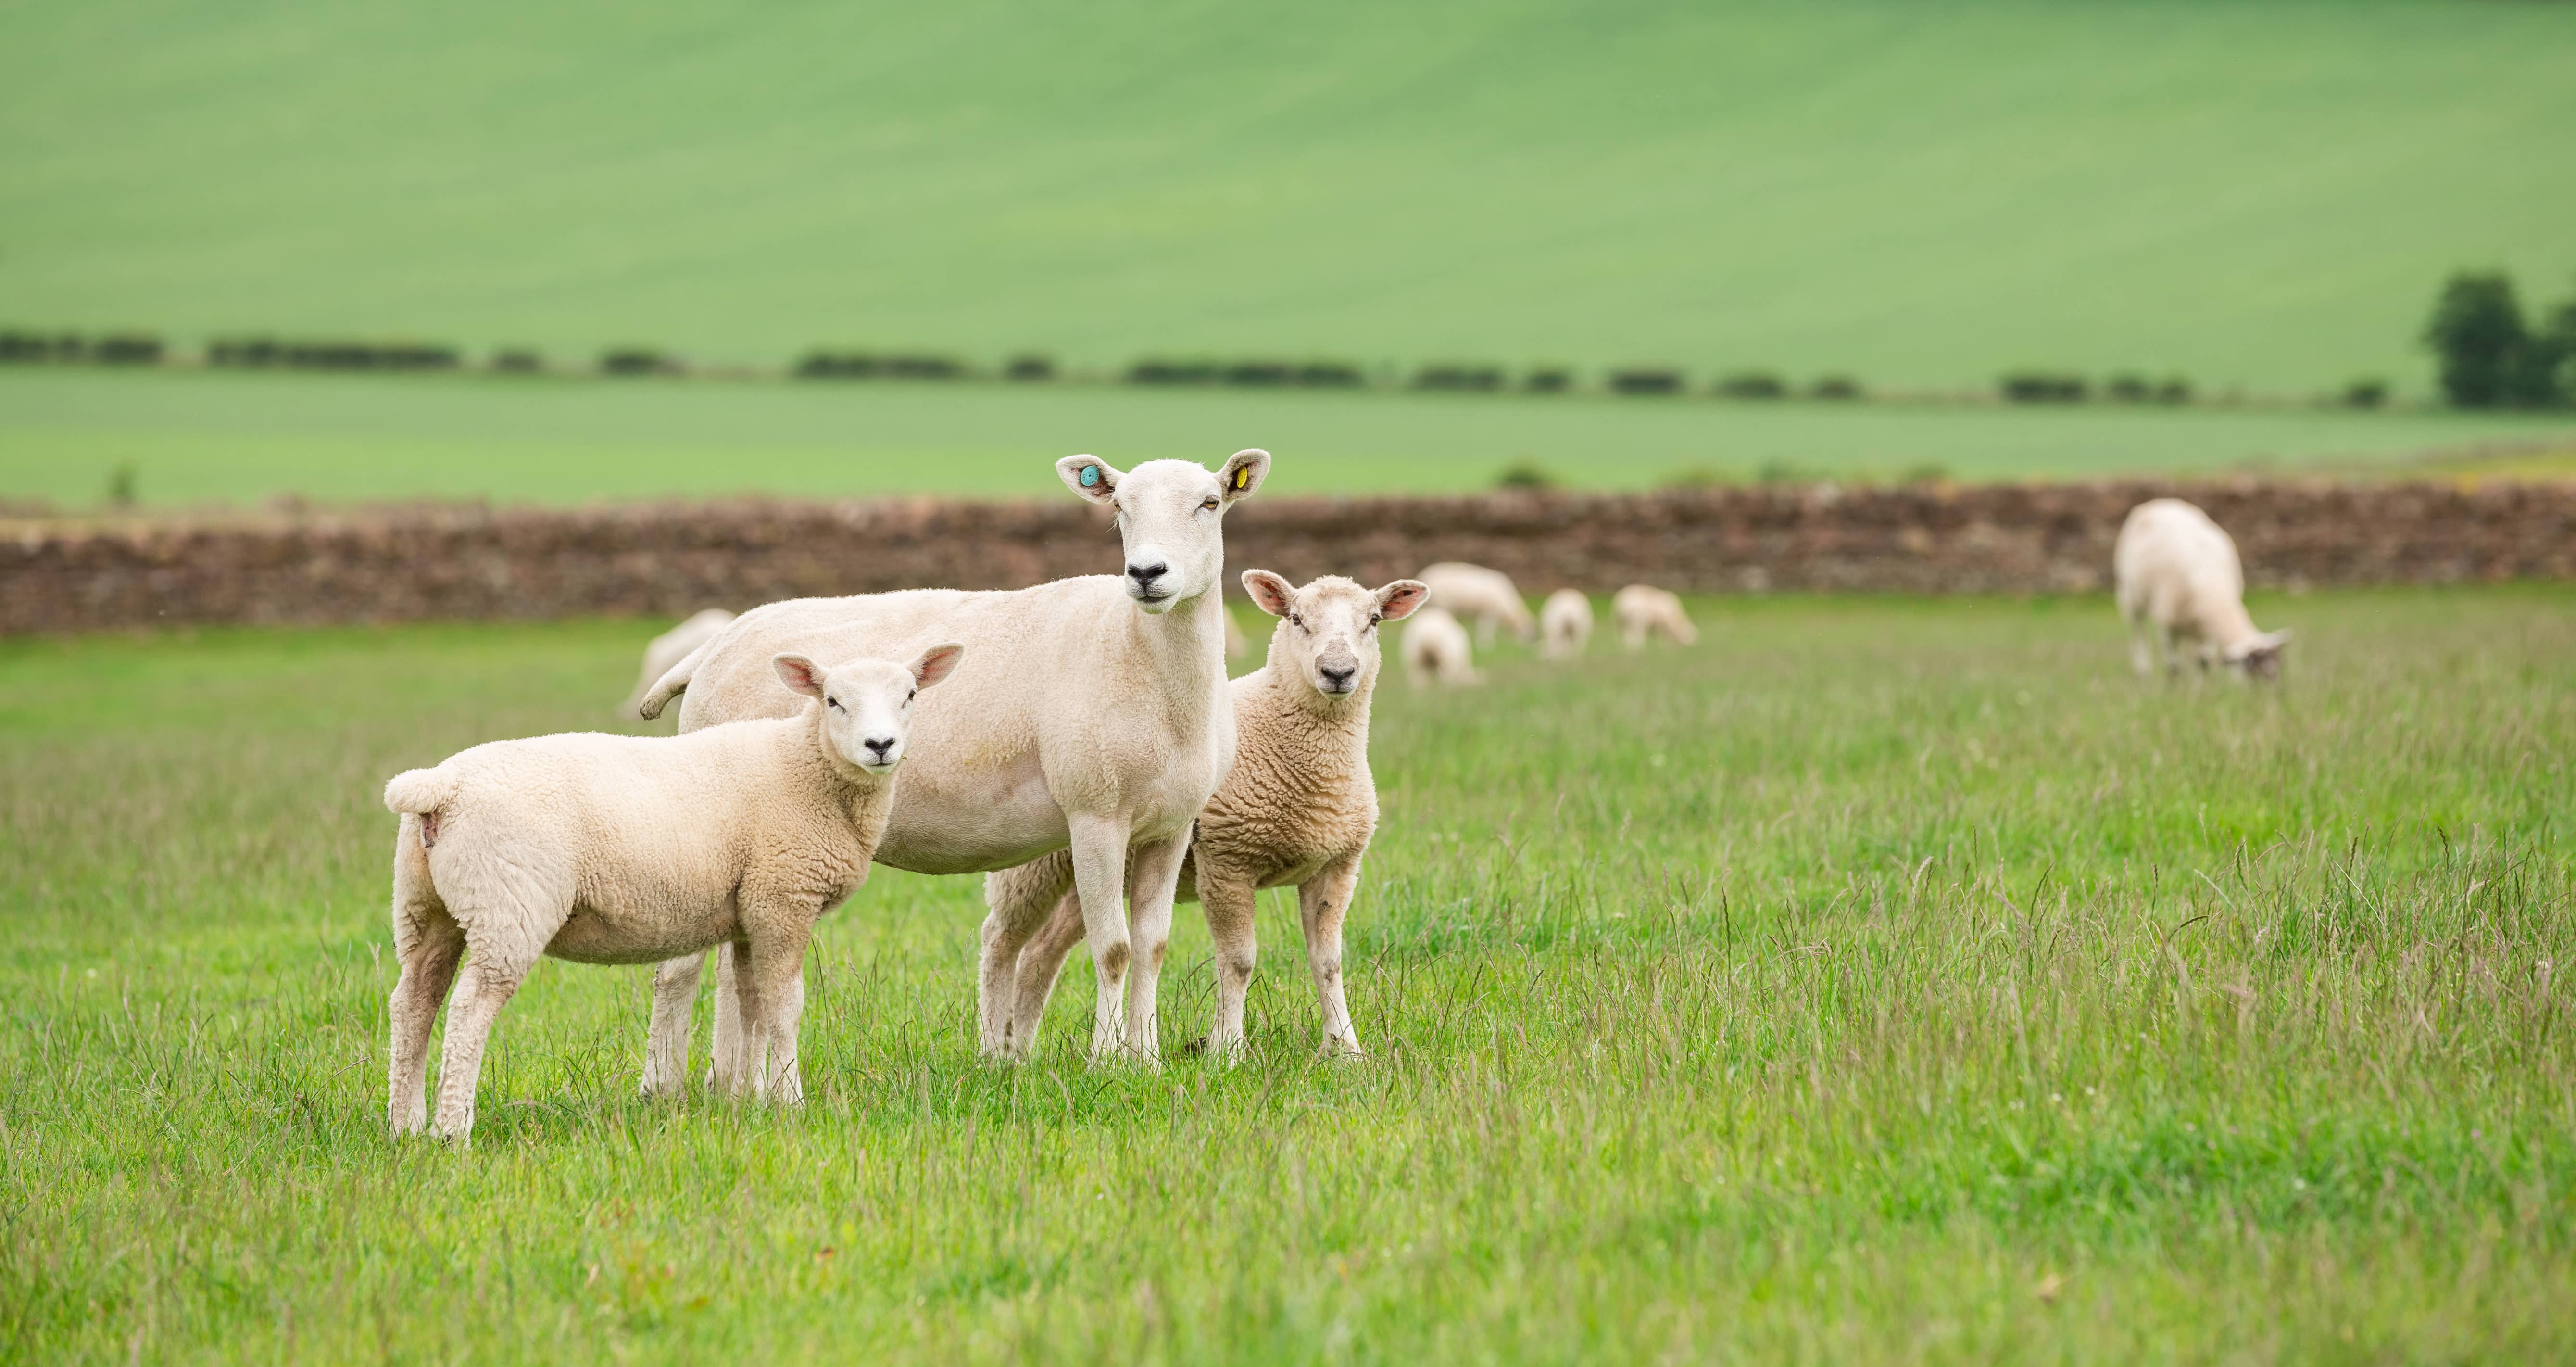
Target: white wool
x,y
2179,581
1436,651
1643,610
666,651
1564,624
1474,593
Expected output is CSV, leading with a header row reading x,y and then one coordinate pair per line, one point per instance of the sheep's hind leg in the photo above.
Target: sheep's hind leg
x,y
666,1048
1021,901
490,978
1099,878
427,944
1041,960
1322,902
729,1055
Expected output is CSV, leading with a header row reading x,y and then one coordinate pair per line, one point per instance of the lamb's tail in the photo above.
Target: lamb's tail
x,y
671,685
420,791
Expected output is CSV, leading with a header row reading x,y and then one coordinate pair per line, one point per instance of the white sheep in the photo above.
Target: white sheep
x,y
670,648
1564,624
631,849
2179,580
1486,596
1436,651
1298,808
1643,610
1091,712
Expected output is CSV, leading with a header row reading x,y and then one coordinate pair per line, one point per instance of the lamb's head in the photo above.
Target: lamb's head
x,y
2258,657
867,704
1171,515
1327,633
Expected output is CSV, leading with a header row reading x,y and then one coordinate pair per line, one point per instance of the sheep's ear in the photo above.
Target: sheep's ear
x,y
2274,640
1089,477
1243,473
1397,601
1270,593
800,674
936,663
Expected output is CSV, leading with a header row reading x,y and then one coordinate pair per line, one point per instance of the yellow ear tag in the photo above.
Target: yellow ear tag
x,y
1242,478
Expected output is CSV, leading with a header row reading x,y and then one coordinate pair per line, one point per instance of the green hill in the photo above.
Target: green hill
x,y
2262,194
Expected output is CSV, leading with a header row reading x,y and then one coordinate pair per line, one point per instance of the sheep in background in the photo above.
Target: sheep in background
x,y
1472,591
1298,808
2179,579
1564,624
1643,610
630,849
1436,651
671,647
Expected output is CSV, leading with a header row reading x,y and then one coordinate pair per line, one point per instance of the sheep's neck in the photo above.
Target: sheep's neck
x,y
2229,624
1187,641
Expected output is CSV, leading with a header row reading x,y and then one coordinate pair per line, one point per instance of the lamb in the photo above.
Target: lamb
x,y
1472,591
1643,610
630,849
1564,624
1298,808
1092,712
1436,651
670,648
2179,579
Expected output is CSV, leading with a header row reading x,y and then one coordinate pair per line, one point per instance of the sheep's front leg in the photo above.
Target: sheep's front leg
x,y
1099,877
1041,960
1228,902
428,944
1322,902
666,1047
727,1065
775,975
1153,881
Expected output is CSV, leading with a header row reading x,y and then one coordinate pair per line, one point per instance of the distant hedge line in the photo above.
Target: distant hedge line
x,y
2491,356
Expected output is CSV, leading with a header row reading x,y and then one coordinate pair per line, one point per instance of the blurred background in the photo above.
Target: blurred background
x,y
572,252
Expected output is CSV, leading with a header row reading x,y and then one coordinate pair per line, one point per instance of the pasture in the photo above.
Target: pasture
x,y
2262,193
1879,980
194,438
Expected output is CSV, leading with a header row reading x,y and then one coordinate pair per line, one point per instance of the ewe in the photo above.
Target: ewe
x,y
1091,712
2178,575
1436,651
1472,591
631,849
1298,807
670,648
1643,610
1564,624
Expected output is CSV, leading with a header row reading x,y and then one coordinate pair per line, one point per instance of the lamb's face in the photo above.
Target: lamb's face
x,y
1171,519
1328,631
867,704
2261,660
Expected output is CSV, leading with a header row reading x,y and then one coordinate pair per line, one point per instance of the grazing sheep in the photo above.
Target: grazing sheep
x,y
1091,712
1436,651
631,849
1298,808
1643,610
2179,579
670,648
1472,591
1564,624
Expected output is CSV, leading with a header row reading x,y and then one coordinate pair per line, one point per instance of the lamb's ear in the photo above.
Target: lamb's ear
x,y
1270,593
1089,477
1397,601
1243,473
936,663
2274,640
800,674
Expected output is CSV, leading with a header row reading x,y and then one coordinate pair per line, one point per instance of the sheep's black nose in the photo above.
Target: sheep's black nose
x,y
879,746
1146,574
1338,675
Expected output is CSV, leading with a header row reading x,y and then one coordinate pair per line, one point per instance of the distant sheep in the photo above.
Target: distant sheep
x,y
2180,582
1564,624
1472,592
671,647
1643,610
1436,651
631,849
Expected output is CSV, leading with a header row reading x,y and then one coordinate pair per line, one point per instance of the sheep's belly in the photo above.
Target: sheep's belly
x,y
593,936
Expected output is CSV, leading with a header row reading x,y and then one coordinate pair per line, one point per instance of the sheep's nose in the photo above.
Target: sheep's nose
x,y
1146,574
1337,678
878,746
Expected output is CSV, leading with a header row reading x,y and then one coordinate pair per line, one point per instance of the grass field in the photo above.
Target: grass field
x,y
2260,192
194,438
1878,981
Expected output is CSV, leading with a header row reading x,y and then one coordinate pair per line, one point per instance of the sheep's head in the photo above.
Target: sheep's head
x,y
1171,516
1328,630
2260,657
867,704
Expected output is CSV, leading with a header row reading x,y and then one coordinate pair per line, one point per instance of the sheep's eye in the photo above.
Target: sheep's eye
x,y
832,702
912,695
1210,504
1296,621
1375,618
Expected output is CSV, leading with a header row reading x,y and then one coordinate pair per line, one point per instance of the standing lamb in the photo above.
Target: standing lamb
x,y
670,648
1471,591
1298,808
1436,651
1091,712
1643,610
631,849
2178,578
1564,624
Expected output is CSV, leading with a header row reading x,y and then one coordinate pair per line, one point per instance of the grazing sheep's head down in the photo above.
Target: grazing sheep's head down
x,y
867,704
1171,516
1328,630
2259,658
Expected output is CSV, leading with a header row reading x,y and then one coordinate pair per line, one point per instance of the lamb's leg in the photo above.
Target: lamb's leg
x,y
427,944
1322,902
1041,960
727,1068
774,968
1153,880
1099,878
490,978
1019,900
1228,902
2142,659
666,1048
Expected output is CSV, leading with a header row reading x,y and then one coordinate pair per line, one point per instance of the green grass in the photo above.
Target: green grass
x,y
2264,192
1878,981
194,438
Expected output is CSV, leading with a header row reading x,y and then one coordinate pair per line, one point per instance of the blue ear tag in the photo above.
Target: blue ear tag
x,y
1090,476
